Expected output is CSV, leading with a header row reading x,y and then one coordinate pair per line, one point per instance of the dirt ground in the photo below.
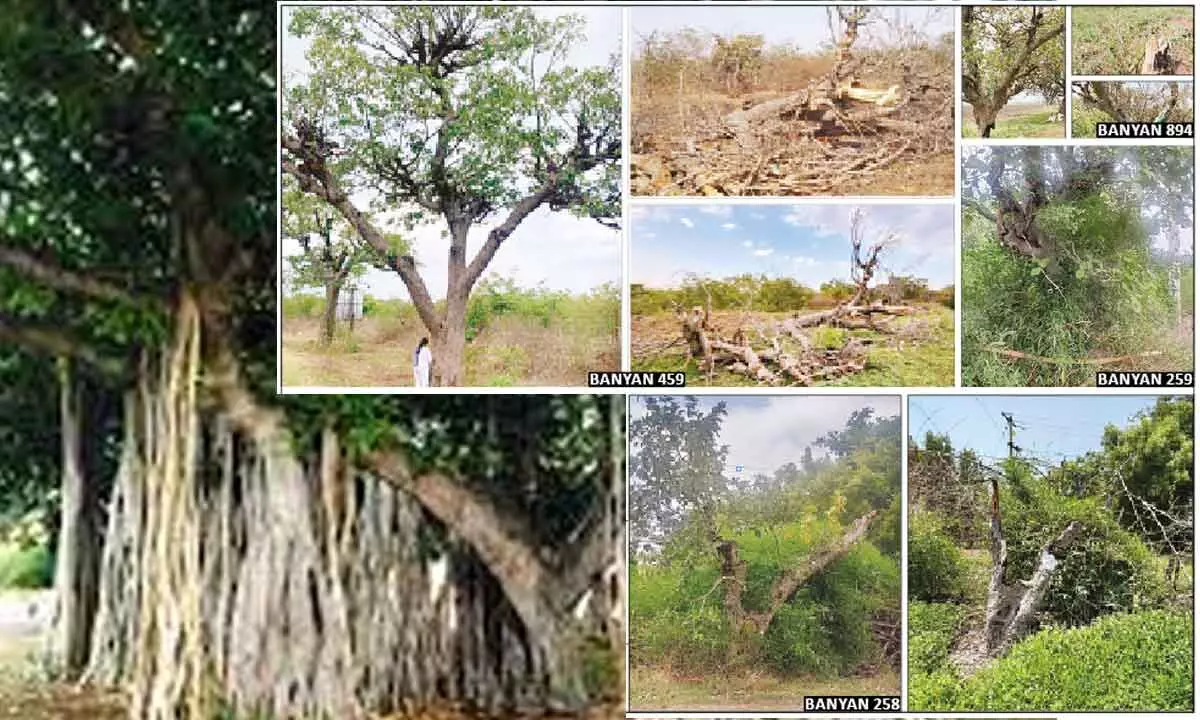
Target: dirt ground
x,y
660,689
510,352
681,144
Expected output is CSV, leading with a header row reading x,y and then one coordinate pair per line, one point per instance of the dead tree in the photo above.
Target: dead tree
x,y
804,364
1012,608
747,623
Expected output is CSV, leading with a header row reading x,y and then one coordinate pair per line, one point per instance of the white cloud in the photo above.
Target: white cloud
x,y
763,252
723,211
768,437
729,226
686,222
747,244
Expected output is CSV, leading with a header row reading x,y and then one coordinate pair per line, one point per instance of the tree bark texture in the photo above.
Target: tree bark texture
x,y
237,574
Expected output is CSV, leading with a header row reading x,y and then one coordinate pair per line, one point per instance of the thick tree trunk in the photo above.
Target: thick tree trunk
x,y
329,318
78,552
450,342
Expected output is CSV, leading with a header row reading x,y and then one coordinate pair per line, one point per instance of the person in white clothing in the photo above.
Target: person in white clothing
x,y
422,363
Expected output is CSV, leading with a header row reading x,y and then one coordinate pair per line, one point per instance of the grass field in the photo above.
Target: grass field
x,y
511,351
1018,121
514,337
1112,40
921,357
660,689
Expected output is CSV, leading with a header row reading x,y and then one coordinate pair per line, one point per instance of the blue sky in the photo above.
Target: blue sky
x,y
1049,427
809,243
804,27
554,248
764,432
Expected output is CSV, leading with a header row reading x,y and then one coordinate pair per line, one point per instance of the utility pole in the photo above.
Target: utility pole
x,y
1013,448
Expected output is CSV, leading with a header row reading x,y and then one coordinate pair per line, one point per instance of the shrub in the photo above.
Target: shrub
x,y
932,630
936,568
303,306
1101,294
1129,662
1106,569
26,567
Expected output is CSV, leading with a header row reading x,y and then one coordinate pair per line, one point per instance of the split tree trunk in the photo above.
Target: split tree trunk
x,y
1011,611
745,624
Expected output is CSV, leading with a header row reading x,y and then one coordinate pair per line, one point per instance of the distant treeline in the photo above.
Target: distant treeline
x,y
765,294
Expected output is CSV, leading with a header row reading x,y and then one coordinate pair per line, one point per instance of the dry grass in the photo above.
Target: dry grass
x,y
679,104
510,351
659,689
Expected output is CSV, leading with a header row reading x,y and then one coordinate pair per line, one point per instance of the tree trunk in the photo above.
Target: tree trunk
x,y
985,118
746,625
76,568
1011,611
329,319
450,342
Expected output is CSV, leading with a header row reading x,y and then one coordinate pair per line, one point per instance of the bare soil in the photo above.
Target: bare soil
x,y
681,147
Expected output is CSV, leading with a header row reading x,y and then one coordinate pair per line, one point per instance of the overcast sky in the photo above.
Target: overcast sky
x,y
809,243
765,432
803,27
563,252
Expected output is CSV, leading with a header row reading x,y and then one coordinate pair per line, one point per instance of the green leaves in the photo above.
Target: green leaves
x,y
498,89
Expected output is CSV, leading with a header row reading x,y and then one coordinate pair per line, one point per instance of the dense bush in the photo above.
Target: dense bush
x,y
677,619
936,568
1101,293
26,566
1129,662
932,629
1106,569
303,306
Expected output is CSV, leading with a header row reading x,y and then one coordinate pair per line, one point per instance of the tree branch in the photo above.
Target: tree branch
x,y
50,273
495,538
319,181
55,342
499,234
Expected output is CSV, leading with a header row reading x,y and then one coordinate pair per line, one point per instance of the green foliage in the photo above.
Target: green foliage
x,y
497,296
602,668
990,36
500,107
740,292
1102,294
1107,569
833,635
1149,461
1109,40
936,570
1128,662
932,630
548,457
303,305
24,566
678,499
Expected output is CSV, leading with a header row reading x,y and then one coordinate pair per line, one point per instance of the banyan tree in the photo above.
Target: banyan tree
x,y
221,548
